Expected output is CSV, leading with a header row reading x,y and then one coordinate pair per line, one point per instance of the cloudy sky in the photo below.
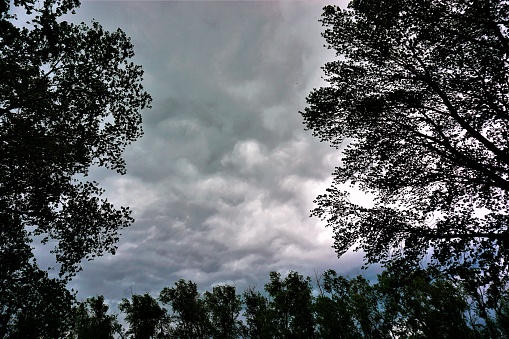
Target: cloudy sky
x,y
223,180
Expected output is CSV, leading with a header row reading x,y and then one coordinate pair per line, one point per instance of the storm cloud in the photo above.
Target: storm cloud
x,y
223,180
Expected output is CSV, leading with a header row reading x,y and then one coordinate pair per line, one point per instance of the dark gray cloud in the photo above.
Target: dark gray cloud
x,y
222,182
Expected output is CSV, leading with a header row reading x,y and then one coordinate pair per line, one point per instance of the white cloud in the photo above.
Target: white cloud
x,y
246,155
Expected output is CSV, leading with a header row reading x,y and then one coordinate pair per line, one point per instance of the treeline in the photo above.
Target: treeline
x,y
420,305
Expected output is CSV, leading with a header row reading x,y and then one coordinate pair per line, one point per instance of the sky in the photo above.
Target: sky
x,y
222,183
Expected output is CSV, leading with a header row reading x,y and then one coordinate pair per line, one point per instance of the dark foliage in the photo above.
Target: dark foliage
x,y
69,99
291,310
189,315
224,306
256,314
32,305
92,321
144,316
418,98
424,304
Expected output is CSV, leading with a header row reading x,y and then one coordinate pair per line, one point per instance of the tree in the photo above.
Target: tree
x,y
188,310
334,316
291,306
257,315
34,306
69,99
365,307
501,320
424,305
91,320
223,306
144,316
418,100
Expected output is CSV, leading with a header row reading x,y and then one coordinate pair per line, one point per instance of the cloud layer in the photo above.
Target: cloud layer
x,y
222,182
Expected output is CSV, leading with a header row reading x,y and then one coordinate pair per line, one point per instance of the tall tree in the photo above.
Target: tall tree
x,y
422,305
257,315
32,305
144,316
69,99
501,317
291,306
418,101
189,314
92,321
334,315
223,306
364,304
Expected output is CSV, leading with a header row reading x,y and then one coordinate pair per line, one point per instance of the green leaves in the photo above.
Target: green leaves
x,y
422,306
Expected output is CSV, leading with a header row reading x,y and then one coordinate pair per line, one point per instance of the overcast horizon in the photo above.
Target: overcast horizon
x,y
222,183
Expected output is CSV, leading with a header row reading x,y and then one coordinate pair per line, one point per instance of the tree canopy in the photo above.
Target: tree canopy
x,y
144,316
290,306
189,312
224,307
92,321
69,99
424,304
418,102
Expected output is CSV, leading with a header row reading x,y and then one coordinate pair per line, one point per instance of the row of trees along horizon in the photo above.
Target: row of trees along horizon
x,y
423,305
417,102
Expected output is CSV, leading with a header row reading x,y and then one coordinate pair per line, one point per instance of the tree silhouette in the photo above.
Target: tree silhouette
x,y
334,315
223,306
144,316
290,306
189,312
423,306
92,321
418,102
69,99
257,315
